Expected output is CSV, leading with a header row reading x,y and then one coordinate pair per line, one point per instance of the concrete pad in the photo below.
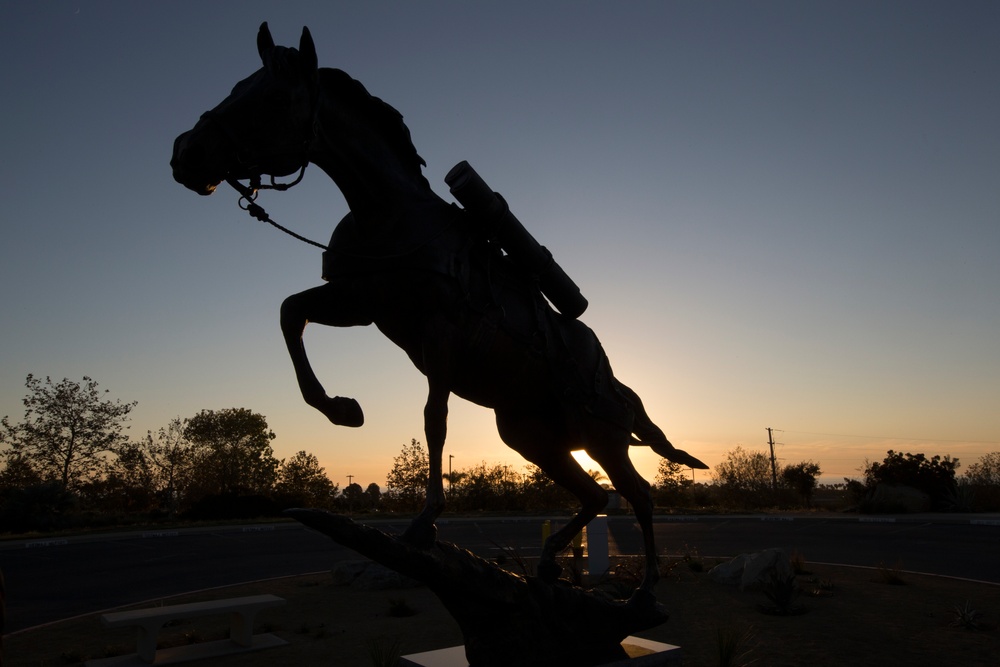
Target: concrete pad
x,y
641,652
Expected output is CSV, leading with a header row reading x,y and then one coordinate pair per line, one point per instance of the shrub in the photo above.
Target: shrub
x,y
385,652
966,617
41,507
891,575
934,476
400,608
782,591
736,645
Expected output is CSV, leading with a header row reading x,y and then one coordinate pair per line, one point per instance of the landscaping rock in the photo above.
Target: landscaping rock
x,y
752,570
899,498
366,575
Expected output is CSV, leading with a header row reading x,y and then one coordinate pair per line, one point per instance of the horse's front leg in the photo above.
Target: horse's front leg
x,y
437,361
422,530
332,304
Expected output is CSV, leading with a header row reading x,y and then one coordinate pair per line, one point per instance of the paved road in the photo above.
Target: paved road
x,y
49,580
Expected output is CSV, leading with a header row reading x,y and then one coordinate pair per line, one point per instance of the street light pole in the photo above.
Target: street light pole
x,y
350,495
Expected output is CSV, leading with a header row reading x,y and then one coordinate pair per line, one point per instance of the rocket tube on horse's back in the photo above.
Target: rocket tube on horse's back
x,y
471,191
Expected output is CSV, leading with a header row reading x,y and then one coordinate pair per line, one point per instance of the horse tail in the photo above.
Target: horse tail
x,y
648,434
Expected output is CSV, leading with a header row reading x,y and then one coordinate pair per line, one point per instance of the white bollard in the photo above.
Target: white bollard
x,y
597,546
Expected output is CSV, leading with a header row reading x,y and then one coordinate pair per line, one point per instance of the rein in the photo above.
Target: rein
x,y
248,202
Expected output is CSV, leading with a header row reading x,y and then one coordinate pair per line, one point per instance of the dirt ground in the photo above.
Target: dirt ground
x,y
849,616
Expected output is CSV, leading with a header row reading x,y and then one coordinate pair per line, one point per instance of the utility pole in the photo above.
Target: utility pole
x,y
774,467
350,478
450,478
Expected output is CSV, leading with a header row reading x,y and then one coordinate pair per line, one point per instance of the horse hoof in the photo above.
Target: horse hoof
x,y
641,599
643,604
344,412
548,571
420,534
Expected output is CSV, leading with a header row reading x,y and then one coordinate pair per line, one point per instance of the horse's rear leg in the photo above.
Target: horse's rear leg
x,y
538,442
567,473
332,304
627,481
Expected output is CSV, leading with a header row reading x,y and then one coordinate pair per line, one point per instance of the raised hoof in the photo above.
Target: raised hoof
x,y
343,411
548,571
420,534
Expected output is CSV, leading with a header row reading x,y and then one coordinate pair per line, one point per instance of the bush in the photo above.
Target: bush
x,y
232,506
934,476
41,507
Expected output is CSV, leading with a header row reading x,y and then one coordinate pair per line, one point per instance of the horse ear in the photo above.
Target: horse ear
x,y
265,43
307,51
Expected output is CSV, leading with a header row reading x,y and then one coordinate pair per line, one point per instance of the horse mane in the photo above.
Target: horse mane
x,y
384,118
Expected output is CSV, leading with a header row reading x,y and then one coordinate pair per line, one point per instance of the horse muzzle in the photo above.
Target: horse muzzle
x,y
191,165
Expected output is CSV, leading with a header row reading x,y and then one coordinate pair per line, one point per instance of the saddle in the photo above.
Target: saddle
x,y
501,294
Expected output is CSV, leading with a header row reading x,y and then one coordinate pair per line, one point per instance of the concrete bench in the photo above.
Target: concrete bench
x,y
150,621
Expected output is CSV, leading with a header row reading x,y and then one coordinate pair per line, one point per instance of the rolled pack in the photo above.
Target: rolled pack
x,y
488,206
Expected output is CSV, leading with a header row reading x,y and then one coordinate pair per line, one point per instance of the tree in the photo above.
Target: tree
x,y
17,473
801,478
672,482
170,455
68,429
128,485
354,496
454,479
541,493
491,487
934,476
985,471
303,482
744,478
983,480
232,452
407,481
373,495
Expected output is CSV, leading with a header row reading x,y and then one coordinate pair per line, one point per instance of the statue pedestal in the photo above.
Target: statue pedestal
x,y
506,619
641,652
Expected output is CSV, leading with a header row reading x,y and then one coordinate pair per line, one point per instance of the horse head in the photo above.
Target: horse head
x,y
264,126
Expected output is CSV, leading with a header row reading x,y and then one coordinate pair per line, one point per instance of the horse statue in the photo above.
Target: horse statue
x,y
435,279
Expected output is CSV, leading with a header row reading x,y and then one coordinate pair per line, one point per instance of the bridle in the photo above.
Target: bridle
x,y
248,193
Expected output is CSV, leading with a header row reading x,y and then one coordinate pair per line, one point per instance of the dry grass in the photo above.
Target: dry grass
x,y
851,617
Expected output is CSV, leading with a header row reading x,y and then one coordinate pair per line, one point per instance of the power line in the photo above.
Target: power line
x,y
885,437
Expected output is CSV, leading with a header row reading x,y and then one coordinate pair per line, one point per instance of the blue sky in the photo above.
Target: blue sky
x,y
783,214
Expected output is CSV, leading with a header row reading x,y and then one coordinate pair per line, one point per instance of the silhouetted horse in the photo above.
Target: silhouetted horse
x,y
430,278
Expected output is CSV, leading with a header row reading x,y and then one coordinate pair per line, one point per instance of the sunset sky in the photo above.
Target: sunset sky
x,y
783,214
